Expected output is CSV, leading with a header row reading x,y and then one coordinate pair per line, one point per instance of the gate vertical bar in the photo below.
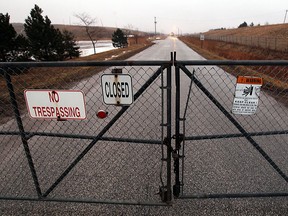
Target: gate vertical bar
x,y
169,133
176,187
22,132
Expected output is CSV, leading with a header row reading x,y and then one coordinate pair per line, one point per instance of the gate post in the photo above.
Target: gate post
x,y
177,136
169,132
166,190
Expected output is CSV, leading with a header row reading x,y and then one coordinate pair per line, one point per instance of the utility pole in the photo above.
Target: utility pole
x,y
155,22
285,16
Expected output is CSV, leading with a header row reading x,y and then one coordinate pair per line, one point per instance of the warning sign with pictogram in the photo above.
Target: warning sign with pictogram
x,y
247,95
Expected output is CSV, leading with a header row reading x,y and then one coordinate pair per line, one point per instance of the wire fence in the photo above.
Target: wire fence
x,y
116,159
126,157
271,43
226,154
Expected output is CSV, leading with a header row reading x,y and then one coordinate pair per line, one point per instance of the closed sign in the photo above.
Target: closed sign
x,y
117,89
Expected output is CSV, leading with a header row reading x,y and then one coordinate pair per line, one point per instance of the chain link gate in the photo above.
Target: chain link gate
x,y
219,154
120,159
123,158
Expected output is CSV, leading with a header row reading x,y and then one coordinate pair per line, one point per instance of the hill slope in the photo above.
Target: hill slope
x,y
278,30
79,31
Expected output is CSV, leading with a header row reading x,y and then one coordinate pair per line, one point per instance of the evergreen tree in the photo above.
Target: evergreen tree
x,y
13,47
41,35
70,47
242,25
7,36
119,39
21,51
47,43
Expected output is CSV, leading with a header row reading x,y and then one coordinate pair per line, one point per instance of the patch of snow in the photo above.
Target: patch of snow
x,y
86,47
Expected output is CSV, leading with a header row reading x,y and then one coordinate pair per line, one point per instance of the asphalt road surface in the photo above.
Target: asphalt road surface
x,y
127,171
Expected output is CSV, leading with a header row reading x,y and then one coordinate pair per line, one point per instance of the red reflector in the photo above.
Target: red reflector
x,y
102,114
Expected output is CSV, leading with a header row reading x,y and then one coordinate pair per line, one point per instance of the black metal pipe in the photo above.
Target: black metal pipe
x,y
29,135
224,136
234,62
169,133
177,185
87,137
234,195
22,132
83,63
67,200
146,63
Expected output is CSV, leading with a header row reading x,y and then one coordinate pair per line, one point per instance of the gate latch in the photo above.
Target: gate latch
x,y
181,139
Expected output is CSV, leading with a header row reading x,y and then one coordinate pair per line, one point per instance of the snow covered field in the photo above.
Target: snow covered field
x,y
86,47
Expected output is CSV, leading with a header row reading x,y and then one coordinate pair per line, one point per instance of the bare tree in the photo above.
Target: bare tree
x,y
130,30
89,24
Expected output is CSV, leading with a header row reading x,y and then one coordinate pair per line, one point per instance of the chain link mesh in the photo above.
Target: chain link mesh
x,y
113,169
128,161
218,157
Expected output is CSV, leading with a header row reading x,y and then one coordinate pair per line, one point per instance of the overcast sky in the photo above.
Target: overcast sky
x,y
185,16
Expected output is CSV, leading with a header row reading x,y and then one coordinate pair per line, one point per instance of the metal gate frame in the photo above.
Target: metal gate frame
x,y
180,137
165,190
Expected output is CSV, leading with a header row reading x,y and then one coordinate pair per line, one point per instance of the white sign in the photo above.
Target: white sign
x,y
55,104
202,37
247,95
117,89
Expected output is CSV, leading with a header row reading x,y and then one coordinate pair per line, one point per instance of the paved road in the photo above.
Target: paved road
x,y
125,171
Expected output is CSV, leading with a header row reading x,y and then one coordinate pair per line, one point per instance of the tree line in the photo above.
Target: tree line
x,y
41,42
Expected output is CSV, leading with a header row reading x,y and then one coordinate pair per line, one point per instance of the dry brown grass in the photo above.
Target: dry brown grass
x,y
278,30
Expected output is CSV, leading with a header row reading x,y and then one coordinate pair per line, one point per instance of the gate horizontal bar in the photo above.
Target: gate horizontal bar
x,y
233,62
157,142
235,195
223,136
144,63
84,63
111,202
87,137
